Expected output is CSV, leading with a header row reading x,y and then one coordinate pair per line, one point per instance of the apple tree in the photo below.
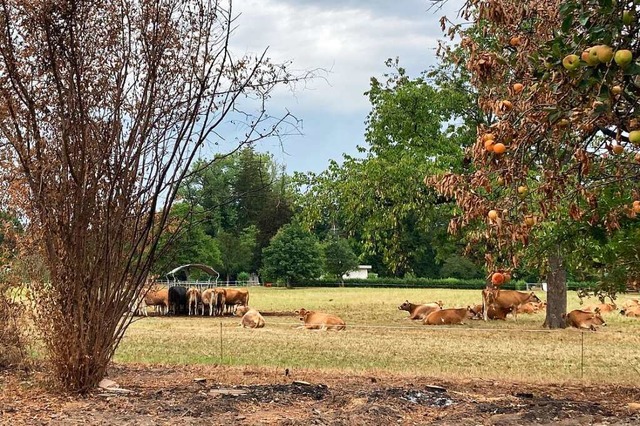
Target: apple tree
x,y
561,159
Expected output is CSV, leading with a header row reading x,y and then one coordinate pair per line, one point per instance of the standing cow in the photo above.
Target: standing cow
x,y
235,297
178,300
193,299
208,300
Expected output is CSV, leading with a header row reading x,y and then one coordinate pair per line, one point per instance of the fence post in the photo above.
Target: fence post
x,y
582,356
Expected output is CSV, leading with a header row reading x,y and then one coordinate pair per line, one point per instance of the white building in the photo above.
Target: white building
x,y
361,272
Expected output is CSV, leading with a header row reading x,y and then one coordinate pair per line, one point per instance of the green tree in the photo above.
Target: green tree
x,y
293,255
460,267
339,258
236,250
237,192
416,127
185,241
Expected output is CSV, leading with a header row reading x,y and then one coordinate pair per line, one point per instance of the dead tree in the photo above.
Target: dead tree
x,y
104,107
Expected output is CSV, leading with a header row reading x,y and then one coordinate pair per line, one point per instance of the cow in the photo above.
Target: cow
x,y
193,299
419,311
584,320
178,300
208,299
531,307
320,321
494,312
235,297
506,299
448,316
159,299
251,318
220,297
631,303
631,311
605,308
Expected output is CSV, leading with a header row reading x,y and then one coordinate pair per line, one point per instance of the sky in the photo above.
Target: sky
x,y
351,39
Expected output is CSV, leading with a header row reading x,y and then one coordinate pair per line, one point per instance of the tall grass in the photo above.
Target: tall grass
x,y
380,337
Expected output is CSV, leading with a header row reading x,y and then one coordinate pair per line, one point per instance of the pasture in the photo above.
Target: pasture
x,y
380,338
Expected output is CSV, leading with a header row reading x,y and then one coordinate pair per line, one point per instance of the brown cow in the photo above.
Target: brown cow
x,y
506,299
605,308
420,311
494,312
320,321
193,299
220,297
632,311
208,299
158,298
235,297
448,316
631,303
531,307
584,320
251,318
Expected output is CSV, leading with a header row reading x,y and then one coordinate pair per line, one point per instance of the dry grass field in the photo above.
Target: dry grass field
x,y
380,338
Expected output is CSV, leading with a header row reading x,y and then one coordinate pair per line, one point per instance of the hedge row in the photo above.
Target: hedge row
x,y
453,283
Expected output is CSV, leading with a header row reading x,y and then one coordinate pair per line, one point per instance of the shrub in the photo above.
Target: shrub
x,y
13,338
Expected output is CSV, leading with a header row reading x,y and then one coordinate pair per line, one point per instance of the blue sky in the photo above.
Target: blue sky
x,y
350,38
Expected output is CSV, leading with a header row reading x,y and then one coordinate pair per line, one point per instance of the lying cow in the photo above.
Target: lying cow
x,y
531,307
320,321
584,320
506,299
193,299
448,316
419,311
631,311
251,318
605,308
494,312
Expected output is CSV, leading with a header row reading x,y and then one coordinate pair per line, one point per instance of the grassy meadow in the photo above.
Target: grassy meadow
x,y
380,337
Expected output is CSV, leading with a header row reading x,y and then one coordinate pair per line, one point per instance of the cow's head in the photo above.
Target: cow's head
x,y
597,318
489,295
439,302
471,313
476,310
406,306
534,298
302,312
241,310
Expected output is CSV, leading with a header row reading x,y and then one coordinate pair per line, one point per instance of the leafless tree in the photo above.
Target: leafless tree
x,y
104,105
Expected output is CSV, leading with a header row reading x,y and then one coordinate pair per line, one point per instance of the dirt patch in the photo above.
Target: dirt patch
x,y
223,395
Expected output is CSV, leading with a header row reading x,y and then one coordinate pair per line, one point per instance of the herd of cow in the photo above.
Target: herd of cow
x,y
496,305
178,300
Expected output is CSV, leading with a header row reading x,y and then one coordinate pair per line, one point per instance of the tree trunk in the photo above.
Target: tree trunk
x,y
556,292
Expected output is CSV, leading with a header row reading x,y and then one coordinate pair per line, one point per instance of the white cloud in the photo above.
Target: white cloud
x,y
352,43
350,38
